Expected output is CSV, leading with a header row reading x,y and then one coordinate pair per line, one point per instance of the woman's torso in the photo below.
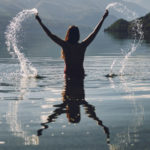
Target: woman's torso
x,y
74,59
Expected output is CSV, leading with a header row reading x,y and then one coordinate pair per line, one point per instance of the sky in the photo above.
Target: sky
x,y
143,3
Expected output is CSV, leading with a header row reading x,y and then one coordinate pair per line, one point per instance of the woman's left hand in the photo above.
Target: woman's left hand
x,y
106,13
38,18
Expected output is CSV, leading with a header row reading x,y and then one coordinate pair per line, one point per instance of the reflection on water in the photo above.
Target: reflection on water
x,y
12,116
73,98
16,127
130,137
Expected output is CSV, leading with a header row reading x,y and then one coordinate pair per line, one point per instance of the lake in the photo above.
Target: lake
x,y
97,113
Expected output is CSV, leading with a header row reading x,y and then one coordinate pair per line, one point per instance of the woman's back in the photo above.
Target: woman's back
x,y
74,58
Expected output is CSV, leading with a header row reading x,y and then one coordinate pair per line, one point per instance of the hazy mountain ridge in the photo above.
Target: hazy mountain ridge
x,y
68,9
80,12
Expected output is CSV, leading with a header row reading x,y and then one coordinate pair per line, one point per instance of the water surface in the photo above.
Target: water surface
x,y
119,104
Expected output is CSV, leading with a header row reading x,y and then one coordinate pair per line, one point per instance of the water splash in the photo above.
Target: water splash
x,y
138,34
112,65
111,5
121,8
111,74
12,35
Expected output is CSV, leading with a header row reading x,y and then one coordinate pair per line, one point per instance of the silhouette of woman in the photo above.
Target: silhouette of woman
x,y
72,50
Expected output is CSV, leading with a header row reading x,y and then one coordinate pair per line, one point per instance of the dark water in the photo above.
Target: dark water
x,y
94,113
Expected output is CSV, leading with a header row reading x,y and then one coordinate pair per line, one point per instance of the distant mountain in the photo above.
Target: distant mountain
x,y
68,10
123,28
80,12
120,26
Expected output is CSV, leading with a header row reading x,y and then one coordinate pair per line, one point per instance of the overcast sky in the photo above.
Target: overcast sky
x,y
143,3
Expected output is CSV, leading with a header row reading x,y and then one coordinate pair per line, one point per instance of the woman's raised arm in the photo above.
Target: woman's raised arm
x,y
55,38
92,35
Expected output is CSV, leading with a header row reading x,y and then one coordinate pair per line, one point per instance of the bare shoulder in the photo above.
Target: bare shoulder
x,y
83,44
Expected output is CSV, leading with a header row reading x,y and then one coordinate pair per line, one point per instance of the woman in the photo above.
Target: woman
x,y
72,50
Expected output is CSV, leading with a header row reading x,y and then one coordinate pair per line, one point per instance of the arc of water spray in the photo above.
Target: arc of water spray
x,y
137,30
11,35
16,126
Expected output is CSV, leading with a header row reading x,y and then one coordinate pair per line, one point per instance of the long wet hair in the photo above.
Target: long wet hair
x,y
72,36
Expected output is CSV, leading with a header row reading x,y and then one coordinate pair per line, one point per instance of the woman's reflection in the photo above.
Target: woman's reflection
x,y
73,97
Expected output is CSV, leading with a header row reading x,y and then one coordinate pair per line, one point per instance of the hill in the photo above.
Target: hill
x,y
123,28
